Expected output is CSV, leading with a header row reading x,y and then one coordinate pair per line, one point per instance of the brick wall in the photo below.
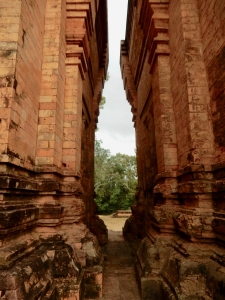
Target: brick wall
x,y
179,124
53,63
51,107
9,24
212,22
178,80
22,39
136,44
190,86
168,63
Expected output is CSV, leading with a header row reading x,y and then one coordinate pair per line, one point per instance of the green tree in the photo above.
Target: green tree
x,y
115,179
102,102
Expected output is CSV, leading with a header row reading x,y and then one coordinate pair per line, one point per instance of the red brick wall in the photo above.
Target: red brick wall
x,y
147,164
136,42
28,75
9,27
212,22
146,146
178,79
189,85
51,108
53,63
183,119
22,38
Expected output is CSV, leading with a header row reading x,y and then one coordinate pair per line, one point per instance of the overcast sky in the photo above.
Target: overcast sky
x,y
115,121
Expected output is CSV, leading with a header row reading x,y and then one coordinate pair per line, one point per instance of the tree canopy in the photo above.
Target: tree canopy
x,y
115,180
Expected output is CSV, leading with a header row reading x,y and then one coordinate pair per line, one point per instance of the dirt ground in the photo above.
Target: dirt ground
x,y
115,224
119,280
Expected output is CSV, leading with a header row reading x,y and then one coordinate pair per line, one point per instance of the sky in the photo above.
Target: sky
x,y
115,126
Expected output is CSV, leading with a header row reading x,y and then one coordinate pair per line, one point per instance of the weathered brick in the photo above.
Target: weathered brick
x,y
175,85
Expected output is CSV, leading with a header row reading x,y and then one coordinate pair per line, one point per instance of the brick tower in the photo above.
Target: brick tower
x,y
53,63
172,63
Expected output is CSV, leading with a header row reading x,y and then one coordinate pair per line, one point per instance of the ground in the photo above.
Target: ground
x,y
115,224
119,281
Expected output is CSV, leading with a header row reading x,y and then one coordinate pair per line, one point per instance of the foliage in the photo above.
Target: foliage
x,y
103,99
102,102
115,180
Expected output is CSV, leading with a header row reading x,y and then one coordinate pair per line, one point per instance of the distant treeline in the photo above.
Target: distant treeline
x,y
115,180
